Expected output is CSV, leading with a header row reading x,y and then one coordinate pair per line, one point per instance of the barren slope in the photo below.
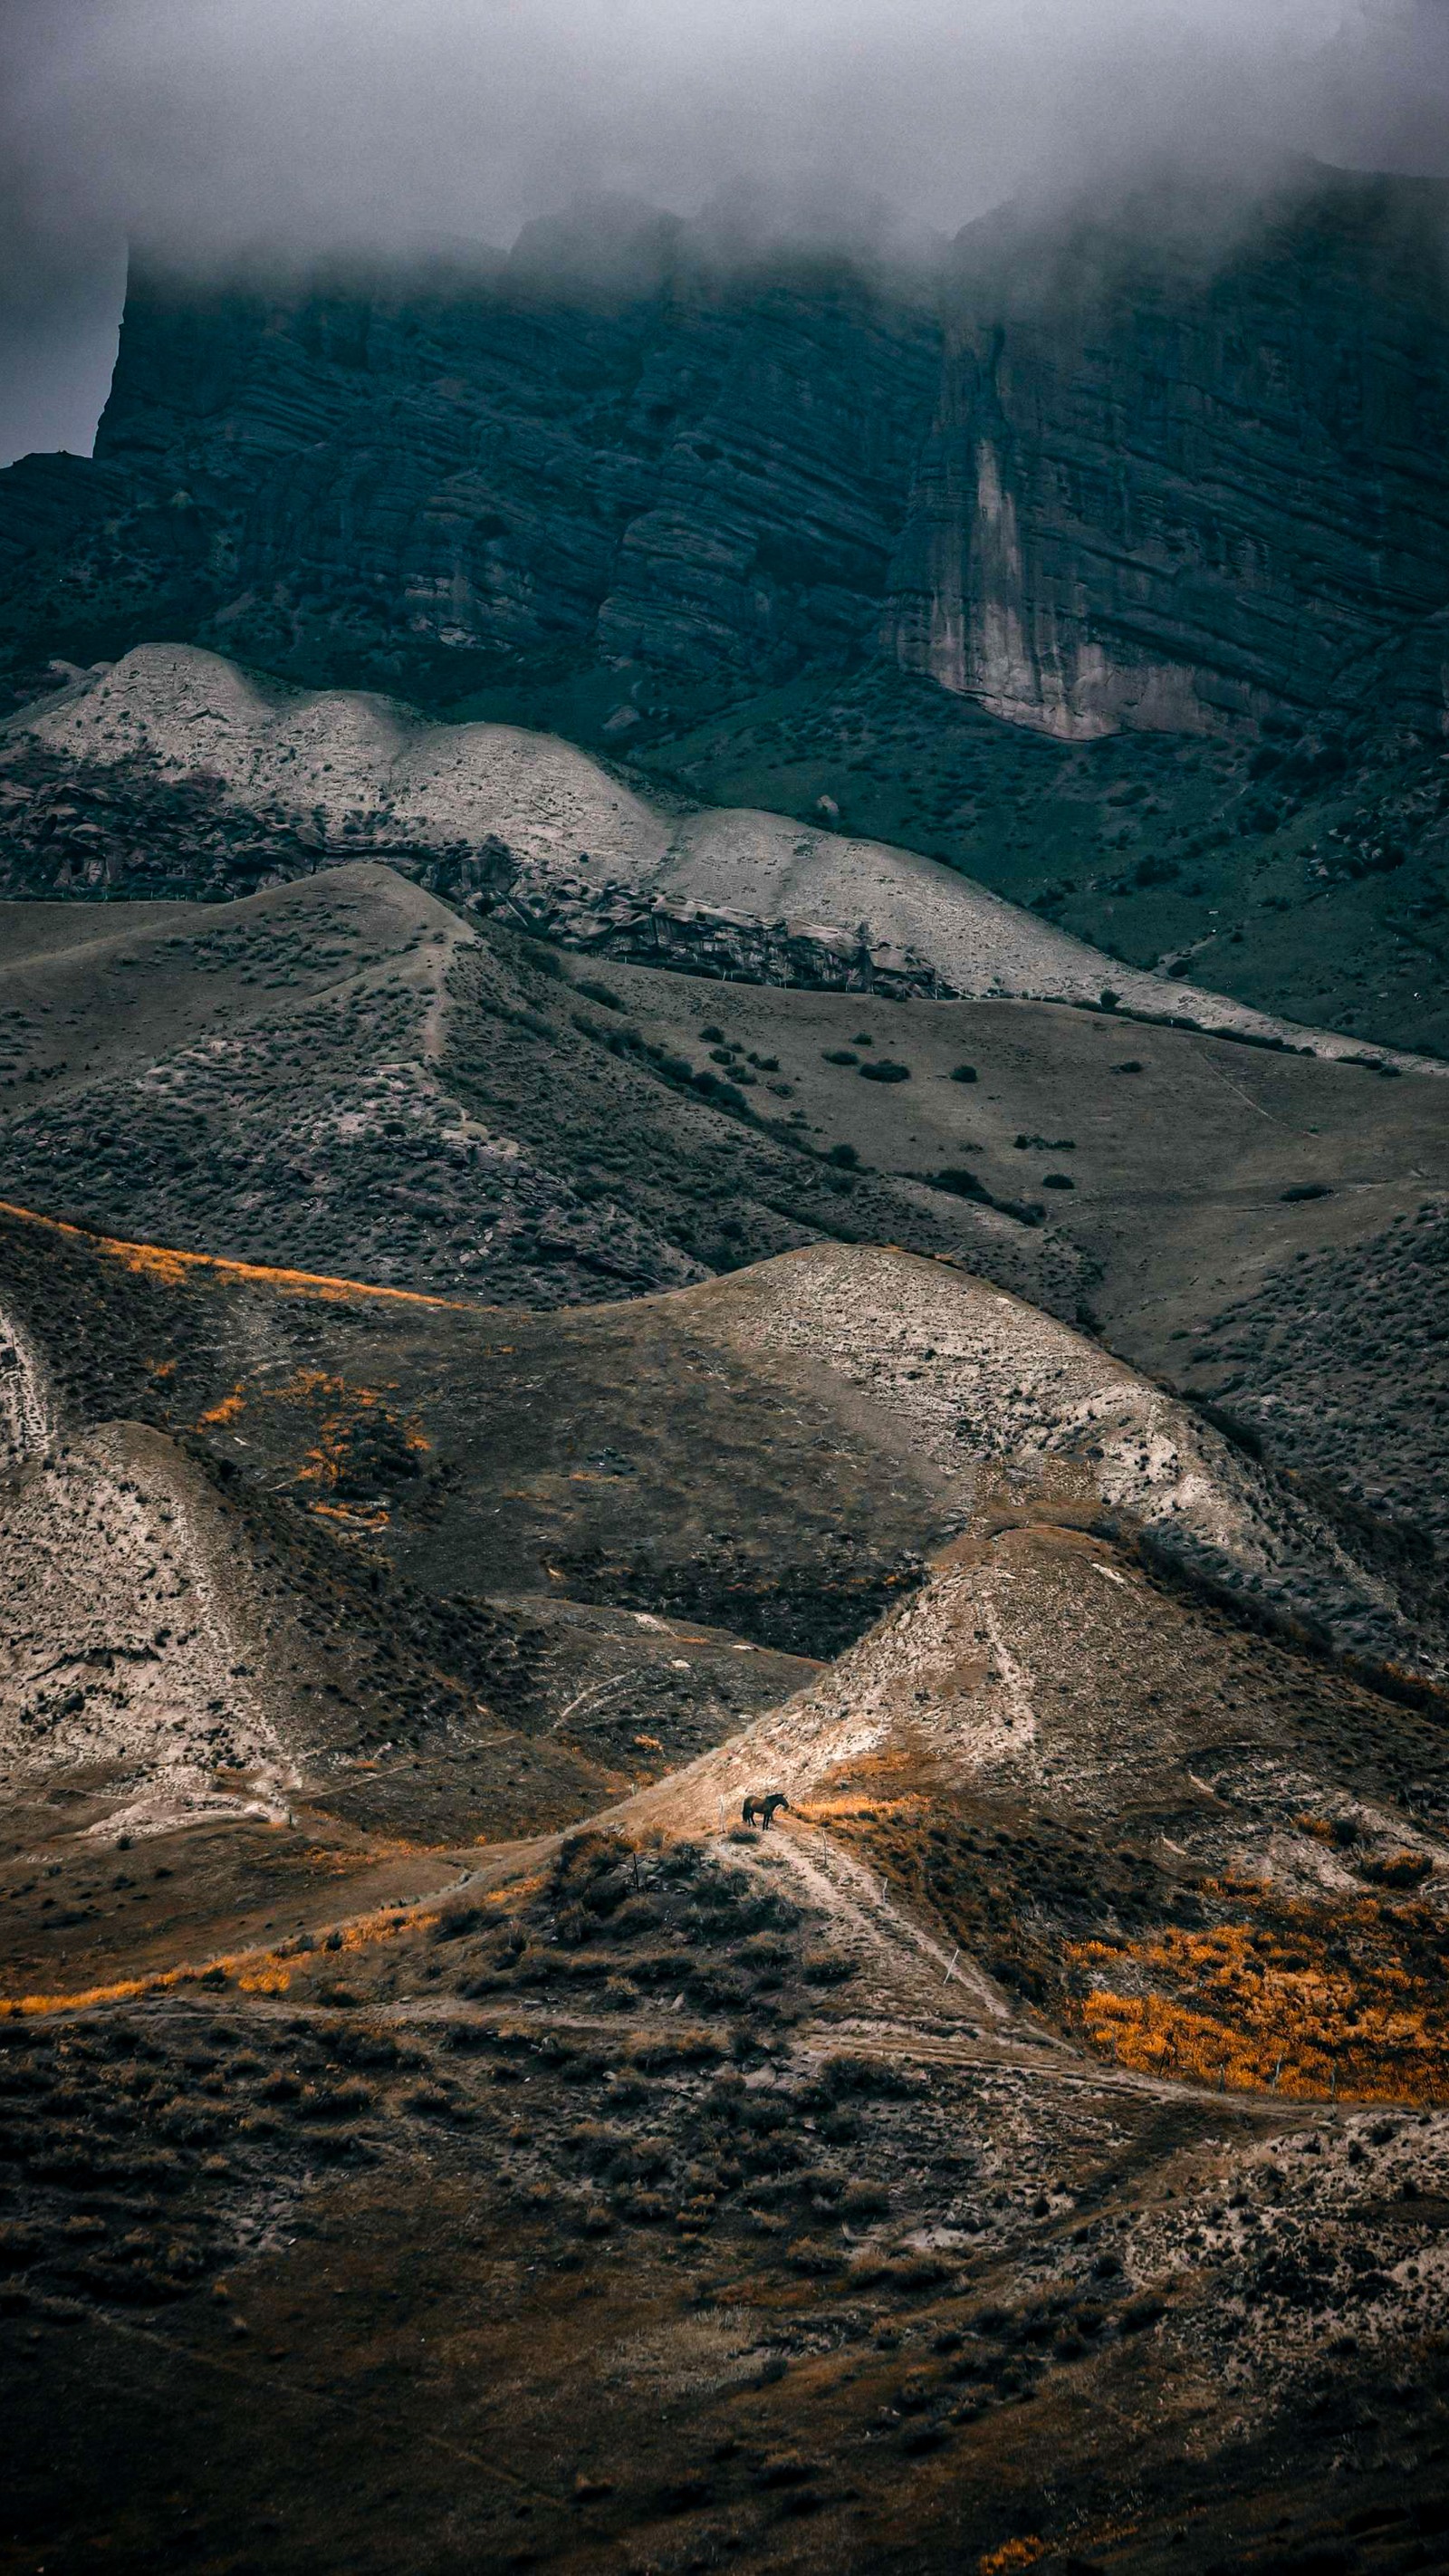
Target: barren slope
x,y
660,2186
489,807
341,1074
1179,1842
754,1467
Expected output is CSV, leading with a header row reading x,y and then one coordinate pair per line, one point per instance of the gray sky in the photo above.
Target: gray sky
x,y
200,126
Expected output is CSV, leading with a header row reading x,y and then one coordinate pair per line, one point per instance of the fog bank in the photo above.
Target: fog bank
x,y
198,127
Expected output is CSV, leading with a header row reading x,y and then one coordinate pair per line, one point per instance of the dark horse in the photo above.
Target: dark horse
x,y
766,1808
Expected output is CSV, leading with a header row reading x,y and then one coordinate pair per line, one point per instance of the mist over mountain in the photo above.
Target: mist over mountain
x,y
879,437
724,1288
197,133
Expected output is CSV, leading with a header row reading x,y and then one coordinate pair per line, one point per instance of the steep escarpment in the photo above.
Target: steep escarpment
x,y
390,472
1172,482
1148,463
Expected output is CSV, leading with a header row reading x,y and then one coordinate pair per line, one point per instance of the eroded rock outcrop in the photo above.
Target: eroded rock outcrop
x,y
120,1663
643,929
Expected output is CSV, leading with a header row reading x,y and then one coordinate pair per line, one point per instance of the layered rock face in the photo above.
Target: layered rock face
x,y
1132,467
706,471
1167,486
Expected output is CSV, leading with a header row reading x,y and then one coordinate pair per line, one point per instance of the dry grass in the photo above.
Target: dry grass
x,y
1247,1989
250,1972
1307,2000
160,1261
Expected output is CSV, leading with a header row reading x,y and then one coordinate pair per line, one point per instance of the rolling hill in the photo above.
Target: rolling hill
x,y
346,1074
178,771
619,1199
406,2044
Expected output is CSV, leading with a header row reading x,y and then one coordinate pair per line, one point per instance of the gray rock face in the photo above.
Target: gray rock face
x,y
1169,487
1101,473
706,473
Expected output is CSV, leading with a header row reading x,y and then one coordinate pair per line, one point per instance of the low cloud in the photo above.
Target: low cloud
x,y
201,128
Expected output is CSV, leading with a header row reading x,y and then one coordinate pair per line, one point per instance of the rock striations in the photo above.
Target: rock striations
x,y
1170,487
708,470
1181,473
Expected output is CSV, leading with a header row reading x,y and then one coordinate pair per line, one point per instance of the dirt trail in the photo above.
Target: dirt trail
x,y
914,1995
437,968
897,1959
1047,2064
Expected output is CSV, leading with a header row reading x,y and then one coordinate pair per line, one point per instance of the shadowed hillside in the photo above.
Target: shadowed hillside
x,y
1073,2043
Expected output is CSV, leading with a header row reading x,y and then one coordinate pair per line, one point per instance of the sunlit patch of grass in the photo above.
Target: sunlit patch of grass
x,y
355,1434
363,1516
163,1262
266,1977
253,1972
1010,1887
853,1810
1303,1999
350,1435
228,1410
258,1972
1247,1988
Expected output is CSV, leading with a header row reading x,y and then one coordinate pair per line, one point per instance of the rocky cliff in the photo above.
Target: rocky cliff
x,y
365,478
1170,485
1131,465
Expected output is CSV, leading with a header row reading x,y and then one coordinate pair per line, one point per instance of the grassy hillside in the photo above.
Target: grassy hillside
x,y
342,1075
1306,873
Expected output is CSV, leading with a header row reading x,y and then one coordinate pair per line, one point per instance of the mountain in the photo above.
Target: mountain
x,y
1124,463
724,1811
1108,562
704,468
